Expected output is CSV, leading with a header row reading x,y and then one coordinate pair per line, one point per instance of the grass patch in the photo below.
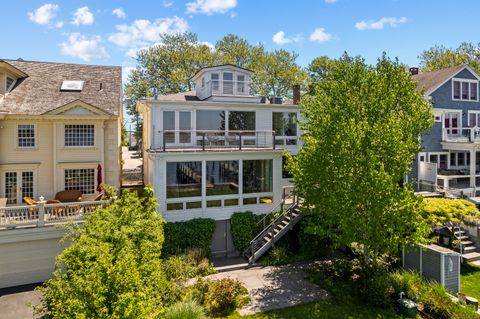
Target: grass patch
x,y
470,280
341,306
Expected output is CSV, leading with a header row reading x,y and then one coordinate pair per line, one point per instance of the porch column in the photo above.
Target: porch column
x,y
472,169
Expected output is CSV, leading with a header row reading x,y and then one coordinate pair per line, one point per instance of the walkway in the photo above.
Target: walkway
x,y
17,302
274,287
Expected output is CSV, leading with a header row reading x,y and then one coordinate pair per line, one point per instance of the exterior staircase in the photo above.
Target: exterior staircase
x,y
467,248
284,217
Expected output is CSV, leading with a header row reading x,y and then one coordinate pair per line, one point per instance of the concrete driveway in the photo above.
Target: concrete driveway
x,y
18,302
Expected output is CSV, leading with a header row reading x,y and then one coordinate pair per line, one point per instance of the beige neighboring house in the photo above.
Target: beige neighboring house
x,y
58,122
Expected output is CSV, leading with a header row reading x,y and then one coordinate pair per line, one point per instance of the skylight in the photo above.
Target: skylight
x,y
72,86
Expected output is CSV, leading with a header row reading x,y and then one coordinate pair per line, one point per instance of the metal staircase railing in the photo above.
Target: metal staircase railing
x,y
288,216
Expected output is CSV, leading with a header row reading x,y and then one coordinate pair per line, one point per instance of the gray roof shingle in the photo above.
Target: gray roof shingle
x,y
430,80
40,92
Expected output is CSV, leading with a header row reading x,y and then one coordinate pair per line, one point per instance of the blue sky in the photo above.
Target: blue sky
x,y
92,32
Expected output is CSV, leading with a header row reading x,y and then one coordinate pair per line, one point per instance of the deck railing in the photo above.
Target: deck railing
x,y
44,214
213,139
461,135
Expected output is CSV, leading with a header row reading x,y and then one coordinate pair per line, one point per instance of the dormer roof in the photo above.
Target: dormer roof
x,y
220,67
12,69
431,81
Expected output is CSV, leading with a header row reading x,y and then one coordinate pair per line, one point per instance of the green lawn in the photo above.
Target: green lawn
x,y
470,280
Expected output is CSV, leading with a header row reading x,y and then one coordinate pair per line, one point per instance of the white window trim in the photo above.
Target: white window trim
x,y
438,154
78,167
467,160
35,137
467,81
95,129
472,113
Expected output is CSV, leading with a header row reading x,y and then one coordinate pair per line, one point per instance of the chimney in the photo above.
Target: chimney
x,y
413,71
296,94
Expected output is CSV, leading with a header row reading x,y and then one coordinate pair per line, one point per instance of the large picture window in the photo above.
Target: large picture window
x,y
210,120
184,179
222,177
26,135
79,135
80,179
257,176
241,121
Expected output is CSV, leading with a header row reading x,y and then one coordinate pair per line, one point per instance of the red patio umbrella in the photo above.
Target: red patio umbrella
x,y
99,177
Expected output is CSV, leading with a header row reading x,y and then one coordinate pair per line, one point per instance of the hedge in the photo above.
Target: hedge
x,y
244,228
440,210
192,234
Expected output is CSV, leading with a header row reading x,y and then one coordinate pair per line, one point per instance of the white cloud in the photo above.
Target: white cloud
x,y
280,39
59,25
320,35
126,70
209,45
119,13
83,16
44,14
167,3
379,24
211,6
145,32
84,48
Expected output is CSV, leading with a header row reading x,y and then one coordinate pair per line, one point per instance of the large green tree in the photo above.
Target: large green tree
x,y
439,57
112,269
361,129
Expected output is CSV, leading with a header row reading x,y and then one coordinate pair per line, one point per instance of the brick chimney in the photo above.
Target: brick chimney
x,y
413,71
296,94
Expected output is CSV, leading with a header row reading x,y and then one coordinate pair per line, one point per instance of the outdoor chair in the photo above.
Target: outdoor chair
x,y
69,196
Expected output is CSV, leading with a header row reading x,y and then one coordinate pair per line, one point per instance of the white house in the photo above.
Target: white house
x,y
217,150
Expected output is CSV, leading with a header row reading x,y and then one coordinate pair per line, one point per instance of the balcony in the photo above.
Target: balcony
x,y
461,135
211,140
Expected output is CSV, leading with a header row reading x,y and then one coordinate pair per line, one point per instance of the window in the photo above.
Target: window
x,y
241,121
210,120
74,86
9,83
465,90
25,135
215,82
27,184
284,123
241,84
257,176
222,178
459,159
169,125
473,118
79,135
184,179
440,159
227,83
82,179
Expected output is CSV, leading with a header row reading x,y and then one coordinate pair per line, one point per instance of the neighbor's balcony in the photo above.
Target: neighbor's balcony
x,y
225,88
461,135
211,140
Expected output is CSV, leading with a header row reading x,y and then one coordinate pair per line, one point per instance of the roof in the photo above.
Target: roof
x,y
219,66
179,97
39,92
432,80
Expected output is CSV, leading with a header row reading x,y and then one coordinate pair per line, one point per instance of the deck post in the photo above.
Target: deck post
x,y
203,141
240,141
41,212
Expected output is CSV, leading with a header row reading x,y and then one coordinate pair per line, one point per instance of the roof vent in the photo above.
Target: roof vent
x,y
75,86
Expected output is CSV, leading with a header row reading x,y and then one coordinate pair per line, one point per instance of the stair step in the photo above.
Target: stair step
x,y
471,256
463,237
467,243
469,249
459,232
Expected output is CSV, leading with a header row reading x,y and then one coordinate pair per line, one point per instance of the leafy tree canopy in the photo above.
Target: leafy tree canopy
x,y
439,57
440,210
112,269
361,134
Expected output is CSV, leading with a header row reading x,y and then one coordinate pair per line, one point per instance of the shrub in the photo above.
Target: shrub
x,y
185,310
185,266
181,237
440,210
244,228
221,297
376,287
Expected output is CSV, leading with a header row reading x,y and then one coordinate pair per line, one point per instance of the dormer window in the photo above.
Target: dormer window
x,y
9,84
215,82
228,83
465,90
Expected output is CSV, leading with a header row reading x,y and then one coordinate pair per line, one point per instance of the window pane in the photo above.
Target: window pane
x,y
215,82
461,159
453,159
79,135
210,120
257,176
456,89
222,177
227,83
472,119
241,121
184,179
169,124
80,179
27,184
9,82
473,91
11,187
465,90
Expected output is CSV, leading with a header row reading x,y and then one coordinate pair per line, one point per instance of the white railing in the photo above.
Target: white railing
x,y
465,134
44,214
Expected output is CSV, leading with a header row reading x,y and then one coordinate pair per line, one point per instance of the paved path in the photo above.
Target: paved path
x,y
274,287
18,305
